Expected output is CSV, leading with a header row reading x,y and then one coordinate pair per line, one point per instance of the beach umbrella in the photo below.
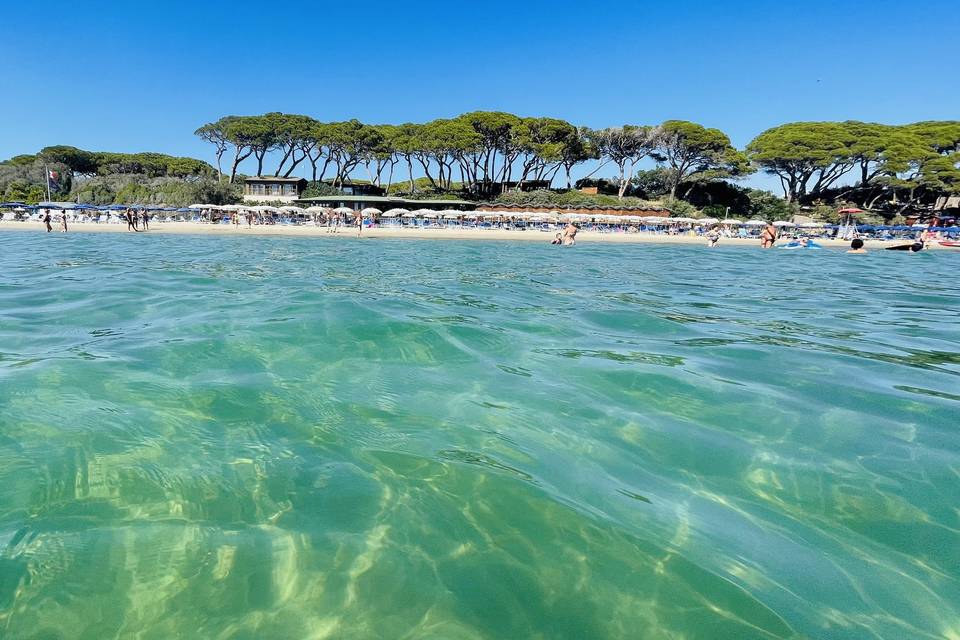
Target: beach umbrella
x,y
430,215
811,225
409,214
202,206
754,223
783,223
451,216
393,213
343,210
291,209
371,211
11,205
708,221
316,209
732,221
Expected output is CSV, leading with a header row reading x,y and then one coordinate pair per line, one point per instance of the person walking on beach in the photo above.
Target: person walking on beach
x,y
46,221
768,237
145,217
131,222
359,221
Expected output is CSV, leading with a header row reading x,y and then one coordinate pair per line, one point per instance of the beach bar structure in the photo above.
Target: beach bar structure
x,y
272,189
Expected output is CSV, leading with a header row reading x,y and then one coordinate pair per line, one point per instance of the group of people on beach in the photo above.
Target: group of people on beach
x,y
48,222
137,220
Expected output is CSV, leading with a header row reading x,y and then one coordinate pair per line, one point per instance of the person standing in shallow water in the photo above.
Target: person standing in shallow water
x,y
63,222
768,237
46,221
713,236
145,217
570,235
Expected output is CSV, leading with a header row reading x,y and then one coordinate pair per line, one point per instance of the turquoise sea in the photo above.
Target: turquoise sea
x,y
242,437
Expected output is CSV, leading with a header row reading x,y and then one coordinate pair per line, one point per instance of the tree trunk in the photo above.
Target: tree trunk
x,y
389,178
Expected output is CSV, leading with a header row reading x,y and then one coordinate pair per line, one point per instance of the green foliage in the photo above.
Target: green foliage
x,y
23,191
651,183
550,198
683,209
20,161
766,206
694,153
317,189
897,166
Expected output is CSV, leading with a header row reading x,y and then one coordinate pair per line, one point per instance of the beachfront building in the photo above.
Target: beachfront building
x,y
272,189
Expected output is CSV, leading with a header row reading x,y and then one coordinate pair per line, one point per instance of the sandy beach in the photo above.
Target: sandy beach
x,y
584,237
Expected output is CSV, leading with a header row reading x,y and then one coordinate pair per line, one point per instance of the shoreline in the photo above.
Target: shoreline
x,y
305,231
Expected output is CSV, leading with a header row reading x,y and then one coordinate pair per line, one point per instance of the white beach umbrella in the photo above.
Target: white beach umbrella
x,y
430,215
371,211
291,209
732,221
708,221
654,219
315,209
393,213
755,223
266,209
783,223
811,225
343,210
202,206
451,216
409,214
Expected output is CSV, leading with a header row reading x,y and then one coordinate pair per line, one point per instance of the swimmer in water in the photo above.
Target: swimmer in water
x,y
857,246
570,235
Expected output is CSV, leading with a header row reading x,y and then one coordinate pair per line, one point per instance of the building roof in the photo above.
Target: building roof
x,y
272,179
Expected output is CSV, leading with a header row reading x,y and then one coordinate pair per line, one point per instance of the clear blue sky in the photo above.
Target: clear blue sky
x,y
142,76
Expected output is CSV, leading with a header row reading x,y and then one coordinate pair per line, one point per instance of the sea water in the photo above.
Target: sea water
x,y
242,437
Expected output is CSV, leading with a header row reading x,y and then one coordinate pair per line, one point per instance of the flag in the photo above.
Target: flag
x,y
53,180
